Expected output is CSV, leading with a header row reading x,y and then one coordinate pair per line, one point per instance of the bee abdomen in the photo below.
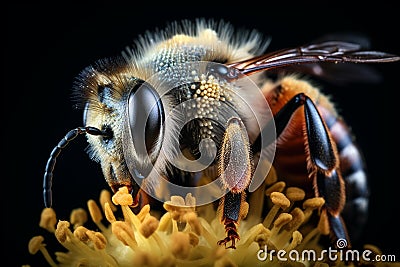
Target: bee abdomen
x,y
353,170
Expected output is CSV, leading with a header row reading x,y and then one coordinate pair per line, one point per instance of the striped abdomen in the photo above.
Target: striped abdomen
x,y
353,170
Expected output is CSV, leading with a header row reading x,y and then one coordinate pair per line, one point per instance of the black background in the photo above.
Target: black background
x,y
46,46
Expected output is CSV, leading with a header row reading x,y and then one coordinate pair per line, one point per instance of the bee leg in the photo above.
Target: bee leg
x,y
235,170
323,161
231,204
322,158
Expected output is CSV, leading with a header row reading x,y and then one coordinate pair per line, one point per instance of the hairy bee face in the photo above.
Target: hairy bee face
x,y
165,105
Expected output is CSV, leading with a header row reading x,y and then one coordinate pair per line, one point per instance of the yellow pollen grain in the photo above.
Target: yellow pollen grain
x,y
80,233
105,197
122,197
262,239
109,213
48,219
149,226
98,239
124,233
282,219
297,237
276,187
295,194
94,211
78,217
313,203
280,199
35,244
62,231
297,219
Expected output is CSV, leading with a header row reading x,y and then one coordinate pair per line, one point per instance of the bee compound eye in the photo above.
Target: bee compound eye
x,y
146,119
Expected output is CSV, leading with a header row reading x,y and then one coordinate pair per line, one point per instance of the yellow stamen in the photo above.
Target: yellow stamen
x,y
98,239
276,187
105,197
48,219
96,214
36,244
254,235
122,197
165,222
311,204
109,212
78,217
61,231
280,201
80,233
295,194
143,212
297,237
124,233
94,211
287,230
149,226
297,220
282,219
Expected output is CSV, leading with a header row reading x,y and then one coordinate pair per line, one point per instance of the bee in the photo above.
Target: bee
x,y
196,100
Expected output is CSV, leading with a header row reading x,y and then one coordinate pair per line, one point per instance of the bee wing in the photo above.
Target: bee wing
x,y
339,74
329,51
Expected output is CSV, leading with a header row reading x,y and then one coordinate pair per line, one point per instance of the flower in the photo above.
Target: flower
x,y
187,235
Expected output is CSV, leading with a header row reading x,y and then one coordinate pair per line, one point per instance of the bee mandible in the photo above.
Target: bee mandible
x,y
196,99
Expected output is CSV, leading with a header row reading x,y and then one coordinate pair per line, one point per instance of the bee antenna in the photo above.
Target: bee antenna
x,y
51,162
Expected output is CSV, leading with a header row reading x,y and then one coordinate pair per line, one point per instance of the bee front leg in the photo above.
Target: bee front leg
x,y
235,169
230,206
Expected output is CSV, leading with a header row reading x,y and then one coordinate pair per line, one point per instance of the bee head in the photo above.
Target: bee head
x,y
131,112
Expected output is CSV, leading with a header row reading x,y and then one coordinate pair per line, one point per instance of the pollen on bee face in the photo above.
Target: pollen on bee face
x,y
207,93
